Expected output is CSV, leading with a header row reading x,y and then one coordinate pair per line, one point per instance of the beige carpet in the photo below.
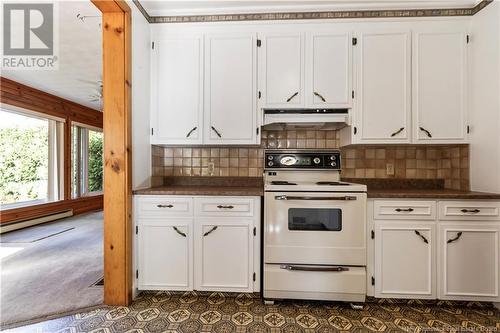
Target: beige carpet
x,y
53,275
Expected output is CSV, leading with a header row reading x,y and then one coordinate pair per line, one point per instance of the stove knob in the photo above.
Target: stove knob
x,y
316,160
270,157
333,157
270,163
333,164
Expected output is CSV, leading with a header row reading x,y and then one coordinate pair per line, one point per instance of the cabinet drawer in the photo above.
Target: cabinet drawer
x,y
159,206
224,206
404,210
469,210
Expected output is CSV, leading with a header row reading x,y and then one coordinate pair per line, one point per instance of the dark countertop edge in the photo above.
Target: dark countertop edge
x,y
436,195
202,190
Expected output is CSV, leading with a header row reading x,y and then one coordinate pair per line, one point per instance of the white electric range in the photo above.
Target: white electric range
x,y
314,228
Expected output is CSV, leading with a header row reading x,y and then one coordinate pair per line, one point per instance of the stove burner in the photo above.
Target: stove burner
x,y
281,182
332,183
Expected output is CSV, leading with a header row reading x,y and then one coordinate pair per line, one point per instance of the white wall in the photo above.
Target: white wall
x,y
485,99
141,148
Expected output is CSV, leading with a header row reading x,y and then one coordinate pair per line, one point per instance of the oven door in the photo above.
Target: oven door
x,y
315,228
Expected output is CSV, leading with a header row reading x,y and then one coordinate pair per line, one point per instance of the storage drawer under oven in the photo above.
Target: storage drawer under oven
x,y
341,283
315,228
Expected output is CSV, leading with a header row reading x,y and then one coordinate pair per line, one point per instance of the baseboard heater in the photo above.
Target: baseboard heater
x,y
39,220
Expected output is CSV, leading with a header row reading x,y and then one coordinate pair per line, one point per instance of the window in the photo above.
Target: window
x,y
87,161
31,165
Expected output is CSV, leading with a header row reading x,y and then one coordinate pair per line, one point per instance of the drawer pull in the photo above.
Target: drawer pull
x,y
319,95
426,132
191,131
210,231
397,132
216,132
421,236
165,206
315,268
473,211
179,232
459,234
225,207
399,210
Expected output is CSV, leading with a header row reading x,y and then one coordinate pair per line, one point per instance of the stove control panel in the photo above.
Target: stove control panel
x,y
285,159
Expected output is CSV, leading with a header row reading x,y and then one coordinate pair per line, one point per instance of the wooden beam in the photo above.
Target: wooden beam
x,y
117,152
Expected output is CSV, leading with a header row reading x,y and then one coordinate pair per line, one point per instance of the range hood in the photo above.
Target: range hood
x,y
322,119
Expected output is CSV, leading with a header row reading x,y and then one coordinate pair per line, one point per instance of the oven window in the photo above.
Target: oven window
x,y
315,219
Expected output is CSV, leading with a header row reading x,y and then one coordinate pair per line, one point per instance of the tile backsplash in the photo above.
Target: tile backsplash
x,y
448,162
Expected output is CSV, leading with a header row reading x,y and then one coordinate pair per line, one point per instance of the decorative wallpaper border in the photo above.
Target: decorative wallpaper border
x,y
353,14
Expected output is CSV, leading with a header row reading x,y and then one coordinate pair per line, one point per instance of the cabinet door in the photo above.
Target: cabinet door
x,y
281,70
329,70
231,89
165,254
405,260
224,254
439,86
177,95
469,262
383,102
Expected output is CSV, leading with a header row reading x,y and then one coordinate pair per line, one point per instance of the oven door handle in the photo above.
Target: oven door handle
x,y
288,197
315,268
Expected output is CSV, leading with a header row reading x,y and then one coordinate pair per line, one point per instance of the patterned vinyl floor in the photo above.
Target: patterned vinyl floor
x,y
226,313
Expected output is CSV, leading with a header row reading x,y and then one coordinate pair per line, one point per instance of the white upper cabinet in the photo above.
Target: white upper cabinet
x,y
281,75
329,70
440,86
231,89
383,67
177,90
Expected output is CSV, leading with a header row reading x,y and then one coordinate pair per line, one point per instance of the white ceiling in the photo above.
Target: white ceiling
x,y
80,59
208,7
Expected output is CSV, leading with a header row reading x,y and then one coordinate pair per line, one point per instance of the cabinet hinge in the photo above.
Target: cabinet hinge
x,y
260,94
152,131
468,129
136,273
254,276
153,45
259,43
136,229
354,41
373,281
352,94
355,130
255,231
373,234
468,39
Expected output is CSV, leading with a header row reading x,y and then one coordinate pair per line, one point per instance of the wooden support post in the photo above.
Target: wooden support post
x,y
116,23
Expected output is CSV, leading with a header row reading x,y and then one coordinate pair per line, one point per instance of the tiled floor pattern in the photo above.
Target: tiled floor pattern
x,y
225,313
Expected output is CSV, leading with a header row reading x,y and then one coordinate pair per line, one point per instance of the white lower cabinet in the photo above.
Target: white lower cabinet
x,y
216,248
444,257
165,254
406,265
468,261
224,254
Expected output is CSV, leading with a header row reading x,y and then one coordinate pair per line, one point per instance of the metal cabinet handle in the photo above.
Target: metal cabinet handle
x,y
210,231
398,131
179,232
291,97
421,236
315,268
287,197
404,210
165,206
319,95
473,211
457,237
216,131
225,207
426,132
191,131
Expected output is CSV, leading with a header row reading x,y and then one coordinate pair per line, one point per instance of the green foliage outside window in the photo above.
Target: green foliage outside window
x,y
95,167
